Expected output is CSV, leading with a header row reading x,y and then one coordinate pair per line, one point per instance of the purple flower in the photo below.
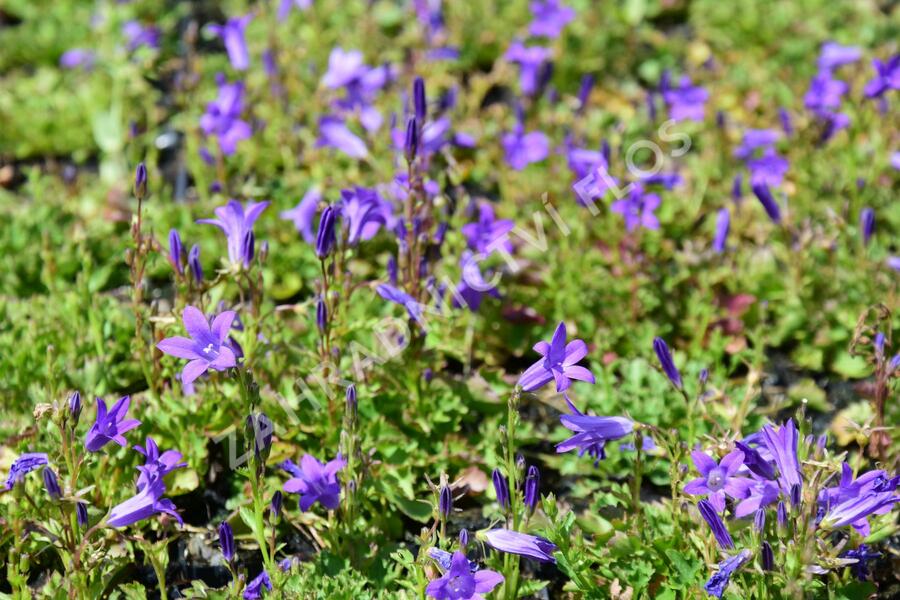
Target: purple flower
x,y
333,133
109,426
718,480
834,55
344,67
765,197
81,514
867,224
665,360
176,251
720,579
754,461
712,518
723,224
558,363
759,493
550,17
782,445
472,286
853,501
445,502
861,556
316,482
362,210
514,542
194,262
147,502
592,433
785,117
532,488
392,294
77,58
325,236
303,214
522,149
232,34
222,118
51,484
768,169
206,348
637,208
284,9
460,583
530,60
254,589
444,558
157,462
138,35
23,465
686,102
824,93
887,77
237,222
488,233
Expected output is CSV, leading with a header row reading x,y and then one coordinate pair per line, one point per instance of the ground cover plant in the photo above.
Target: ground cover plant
x,y
451,300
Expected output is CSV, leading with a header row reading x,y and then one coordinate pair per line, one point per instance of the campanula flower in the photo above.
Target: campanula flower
x,y
147,502
77,58
400,297
765,197
782,445
712,518
488,233
523,544
110,425
686,102
222,118
176,251
768,169
718,479
362,212
444,558
137,35
861,556
522,149
325,236
530,60
550,18
720,579
257,587
887,77
460,583
232,34
723,224
315,482
304,213
759,493
532,488
334,133
472,286
206,348
853,501
226,540
833,55
237,222
867,224
501,488
755,139
157,462
558,363
592,433
637,208
664,355
23,465
825,93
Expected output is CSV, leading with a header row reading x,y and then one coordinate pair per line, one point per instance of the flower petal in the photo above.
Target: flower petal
x,y
179,347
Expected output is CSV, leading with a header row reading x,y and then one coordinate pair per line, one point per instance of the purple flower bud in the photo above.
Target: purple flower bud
x,y
81,514
720,119
606,151
759,520
501,488
325,238
75,407
392,270
665,359
895,362
176,251
795,495
411,143
532,488
194,263
248,248
822,441
737,187
584,91
277,503
767,557
445,502
463,538
867,224
419,102
140,181
51,484
260,428
755,462
427,374
765,197
723,224
704,376
350,397
321,315
782,515
264,251
226,540
712,518
785,117
878,343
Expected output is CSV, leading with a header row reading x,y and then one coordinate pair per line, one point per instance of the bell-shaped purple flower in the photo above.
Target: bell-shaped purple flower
x,y
782,445
460,583
501,488
236,222
718,479
522,544
315,482
664,355
304,214
558,363
720,579
206,348
23,465
712,518
232,34
550,18
257,587
147,502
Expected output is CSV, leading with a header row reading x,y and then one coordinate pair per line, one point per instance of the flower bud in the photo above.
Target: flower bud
x,y
260,429
75,407
194,262
325,238
759,520
140,182
321,315
51,484
767,557
81,514
176,251
463,538
411,142
445,502
419,102
501,488
665,360
226,540
352,405
532,488
277,503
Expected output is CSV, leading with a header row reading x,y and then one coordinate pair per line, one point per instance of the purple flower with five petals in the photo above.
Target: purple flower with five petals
x,y
314,481
237,224
147,502
592,433
460,583
887,77
110,425
157,462
530,60
718,479
207,348
303,214
488,233
222,118
23,465
550,17
558,363
232,34
334,133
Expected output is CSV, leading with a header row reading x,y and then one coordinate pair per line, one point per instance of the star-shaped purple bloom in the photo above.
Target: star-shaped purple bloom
x,y
315,482
472,286
237,224
887,77
558,363
400,297
222,118
768,169
824,92
206,348
550,17
522,149
162,463
460,583
488,233
592,432
686,102
334,133
147,502
637,208
530,60
110,425
362,212
304,213
718,479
